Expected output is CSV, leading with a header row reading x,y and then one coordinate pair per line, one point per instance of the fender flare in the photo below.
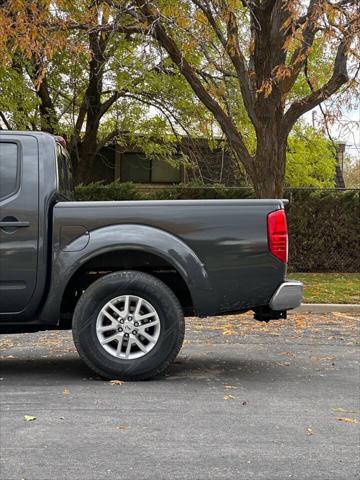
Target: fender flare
x,y
68,260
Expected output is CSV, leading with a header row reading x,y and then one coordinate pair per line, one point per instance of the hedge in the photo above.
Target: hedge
x,y
324,231
324,225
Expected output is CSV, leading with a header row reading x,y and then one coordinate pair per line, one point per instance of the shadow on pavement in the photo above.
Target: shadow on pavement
x,y
232,367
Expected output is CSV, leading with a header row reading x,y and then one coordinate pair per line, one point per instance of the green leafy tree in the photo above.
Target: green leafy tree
x,y
311,159
265,51
90,85
146,72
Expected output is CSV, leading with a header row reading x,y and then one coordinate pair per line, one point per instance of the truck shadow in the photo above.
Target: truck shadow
x,y
70,368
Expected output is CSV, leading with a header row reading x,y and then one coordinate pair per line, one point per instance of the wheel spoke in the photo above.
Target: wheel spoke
x,y
138,306
139,344
148,337
107,314
126,306
109,339
150,324
116,310
128,348
147,315
106,328
119,345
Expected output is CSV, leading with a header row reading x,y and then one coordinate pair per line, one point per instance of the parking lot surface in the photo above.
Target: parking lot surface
x,y
244,400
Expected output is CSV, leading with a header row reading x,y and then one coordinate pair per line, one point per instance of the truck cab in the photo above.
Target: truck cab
x,y
35,173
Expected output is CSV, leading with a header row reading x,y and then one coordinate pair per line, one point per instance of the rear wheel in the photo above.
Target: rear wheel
x,y
128,325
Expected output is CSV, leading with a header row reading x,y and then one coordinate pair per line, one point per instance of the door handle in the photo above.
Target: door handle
x,y
10,224
14,224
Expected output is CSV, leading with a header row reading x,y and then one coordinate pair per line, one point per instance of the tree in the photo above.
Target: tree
x,y
311,159
352,171
265,51
64,71
97,68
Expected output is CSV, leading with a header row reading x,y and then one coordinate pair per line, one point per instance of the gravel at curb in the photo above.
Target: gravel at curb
x,y
327,308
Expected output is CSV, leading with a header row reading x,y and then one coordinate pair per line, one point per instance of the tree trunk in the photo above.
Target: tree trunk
x,y
268,170
83,161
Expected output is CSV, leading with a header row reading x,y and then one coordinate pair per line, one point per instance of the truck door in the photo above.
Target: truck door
x,y
19,192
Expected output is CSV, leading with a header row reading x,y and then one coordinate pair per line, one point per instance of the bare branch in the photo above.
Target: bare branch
x,y
238,60
110,102
4,119
300,55
339,77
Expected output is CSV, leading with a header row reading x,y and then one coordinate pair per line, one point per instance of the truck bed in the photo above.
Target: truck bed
x,y
229,237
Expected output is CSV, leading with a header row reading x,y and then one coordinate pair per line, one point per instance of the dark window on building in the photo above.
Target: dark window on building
x,y
137,168
9,169
163,172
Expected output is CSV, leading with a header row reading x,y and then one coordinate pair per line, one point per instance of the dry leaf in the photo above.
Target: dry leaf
x,y
344,410
310,431
228,331
347,420
66,391
323,358
228,397
29,418
116,382
122,427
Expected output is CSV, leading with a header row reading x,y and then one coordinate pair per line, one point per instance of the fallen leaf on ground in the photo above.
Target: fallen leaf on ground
x,y
310,431
347,420
66,391
116,382
122,427
228,397
345,410
229,331
289,354
323,358
29,418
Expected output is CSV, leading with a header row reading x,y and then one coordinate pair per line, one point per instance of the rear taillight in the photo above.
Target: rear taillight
x,y
61,140
278,235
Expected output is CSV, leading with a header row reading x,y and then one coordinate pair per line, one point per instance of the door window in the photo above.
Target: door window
x,y
9,169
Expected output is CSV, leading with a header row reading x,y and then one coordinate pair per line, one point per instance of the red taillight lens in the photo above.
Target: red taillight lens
x,y
61,140
278,235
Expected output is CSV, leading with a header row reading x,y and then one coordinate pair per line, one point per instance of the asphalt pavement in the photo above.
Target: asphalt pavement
x,y
244,400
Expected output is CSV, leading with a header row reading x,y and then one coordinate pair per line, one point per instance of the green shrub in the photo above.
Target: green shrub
x,y
202,192
112,191
324,231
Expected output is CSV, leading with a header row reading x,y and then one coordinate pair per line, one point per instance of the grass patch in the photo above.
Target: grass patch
x,y
329,287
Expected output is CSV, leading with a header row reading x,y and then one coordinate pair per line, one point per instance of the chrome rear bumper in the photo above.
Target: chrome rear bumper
x,y
289,295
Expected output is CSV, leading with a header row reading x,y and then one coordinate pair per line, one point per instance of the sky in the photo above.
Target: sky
x,y
346,130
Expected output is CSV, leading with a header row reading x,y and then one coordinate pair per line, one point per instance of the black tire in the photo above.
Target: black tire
x,y
169,311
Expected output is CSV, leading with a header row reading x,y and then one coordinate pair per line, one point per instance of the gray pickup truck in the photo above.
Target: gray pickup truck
x,y
123,275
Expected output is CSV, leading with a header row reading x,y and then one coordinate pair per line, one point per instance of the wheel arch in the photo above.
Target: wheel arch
x,y
120,240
